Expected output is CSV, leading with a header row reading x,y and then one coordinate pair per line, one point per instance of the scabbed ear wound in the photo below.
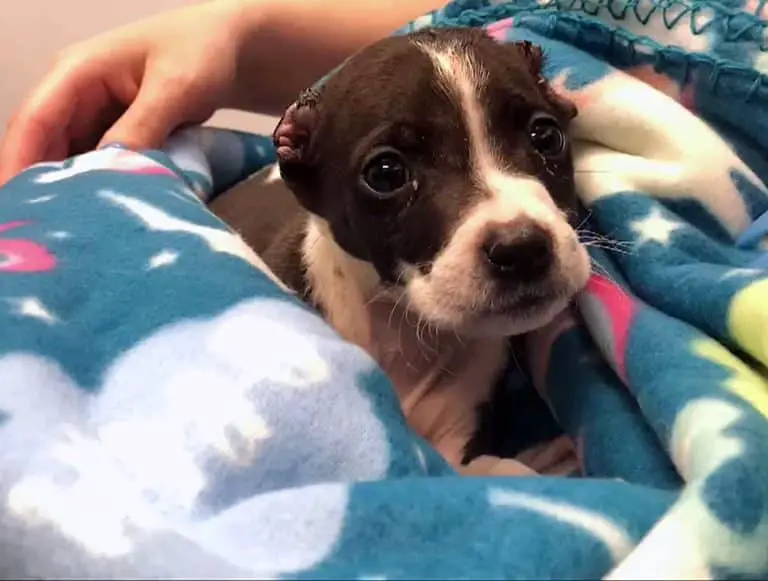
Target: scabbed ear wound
x,y
534,56
294,130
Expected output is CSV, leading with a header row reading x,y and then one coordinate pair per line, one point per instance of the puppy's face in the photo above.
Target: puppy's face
x,y
441,159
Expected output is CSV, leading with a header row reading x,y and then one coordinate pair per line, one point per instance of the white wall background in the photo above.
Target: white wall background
x,y
33,31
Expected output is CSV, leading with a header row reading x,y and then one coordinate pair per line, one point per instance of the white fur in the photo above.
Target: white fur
x,y
439,378
343,300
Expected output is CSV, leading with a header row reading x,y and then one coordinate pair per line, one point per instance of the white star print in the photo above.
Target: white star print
x,y
218,240
32,307
163,258
655,227
184,194
741,272
59,235
420,457
41,199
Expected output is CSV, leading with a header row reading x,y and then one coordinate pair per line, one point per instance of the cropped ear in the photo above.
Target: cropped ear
x,y
534,58
532,54
294,133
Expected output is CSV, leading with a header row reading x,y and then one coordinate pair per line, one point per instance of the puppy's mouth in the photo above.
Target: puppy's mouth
x,y
522,303
495,310
469,301
517,313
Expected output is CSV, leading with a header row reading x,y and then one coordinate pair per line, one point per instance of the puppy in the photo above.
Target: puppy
x,y
432,188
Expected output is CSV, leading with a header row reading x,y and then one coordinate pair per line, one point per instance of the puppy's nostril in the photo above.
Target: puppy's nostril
x,y
523,253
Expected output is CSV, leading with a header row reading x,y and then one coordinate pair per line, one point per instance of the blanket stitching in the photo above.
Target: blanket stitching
x,y
736,23
750,85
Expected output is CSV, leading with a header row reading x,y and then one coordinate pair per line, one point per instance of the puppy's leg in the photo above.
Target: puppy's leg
x,y
495,466
555,458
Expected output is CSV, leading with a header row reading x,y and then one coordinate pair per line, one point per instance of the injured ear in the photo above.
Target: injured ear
x,y
534,56
293,133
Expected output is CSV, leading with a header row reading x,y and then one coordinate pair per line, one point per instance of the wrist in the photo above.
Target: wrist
x,y
286,45
244,22
279,51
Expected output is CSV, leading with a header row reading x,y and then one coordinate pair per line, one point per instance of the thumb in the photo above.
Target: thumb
x,y
158,109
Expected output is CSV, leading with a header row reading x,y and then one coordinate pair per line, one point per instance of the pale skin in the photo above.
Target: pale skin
x,y
136,84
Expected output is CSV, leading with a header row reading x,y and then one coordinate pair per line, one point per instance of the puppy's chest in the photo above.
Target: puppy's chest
x,y
440,379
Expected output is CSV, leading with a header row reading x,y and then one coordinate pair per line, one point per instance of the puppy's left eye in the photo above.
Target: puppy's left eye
x,y
386,173
545,135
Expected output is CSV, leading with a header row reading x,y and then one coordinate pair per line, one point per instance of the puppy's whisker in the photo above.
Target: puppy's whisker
x,y
592,239
394,308
379,294
587,236
607,247
610,244
424,347
420,330
602,271
583,221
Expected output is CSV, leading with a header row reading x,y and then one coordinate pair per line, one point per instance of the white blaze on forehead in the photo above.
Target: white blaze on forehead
x,y
462,76
511,194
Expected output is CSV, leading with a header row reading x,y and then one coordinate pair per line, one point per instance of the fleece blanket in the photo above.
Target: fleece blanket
x,y
168,410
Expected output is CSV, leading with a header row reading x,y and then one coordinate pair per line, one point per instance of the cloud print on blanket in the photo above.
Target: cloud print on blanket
x,y
168,410
216,406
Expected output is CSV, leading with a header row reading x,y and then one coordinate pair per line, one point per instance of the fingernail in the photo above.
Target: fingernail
x,y
115,144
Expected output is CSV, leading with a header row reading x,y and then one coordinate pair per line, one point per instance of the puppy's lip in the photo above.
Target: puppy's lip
x,y
527,302
521,305
514,319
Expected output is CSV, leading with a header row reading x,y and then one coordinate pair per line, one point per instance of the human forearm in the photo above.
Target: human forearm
x,y
288,44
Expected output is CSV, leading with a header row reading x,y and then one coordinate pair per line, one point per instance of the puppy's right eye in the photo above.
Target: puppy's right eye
x,y
546,135
386,174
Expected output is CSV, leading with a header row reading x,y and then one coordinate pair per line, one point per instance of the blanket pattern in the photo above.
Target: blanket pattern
x,y
168,409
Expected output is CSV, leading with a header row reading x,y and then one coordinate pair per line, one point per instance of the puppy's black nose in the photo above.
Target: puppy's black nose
x,y
519,251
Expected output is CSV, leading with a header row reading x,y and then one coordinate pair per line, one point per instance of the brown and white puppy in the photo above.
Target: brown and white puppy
x,y
433,187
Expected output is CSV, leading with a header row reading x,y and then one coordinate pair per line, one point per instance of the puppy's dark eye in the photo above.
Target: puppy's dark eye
x,y
386,174
546,136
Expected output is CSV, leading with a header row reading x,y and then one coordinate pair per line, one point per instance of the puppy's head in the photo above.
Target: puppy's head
x,y
441,158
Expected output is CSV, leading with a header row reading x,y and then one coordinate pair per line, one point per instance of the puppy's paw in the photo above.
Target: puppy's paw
x,y
495,466
554,458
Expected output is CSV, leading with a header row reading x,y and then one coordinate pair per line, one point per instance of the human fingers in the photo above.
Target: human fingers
x,y
164,102
37,131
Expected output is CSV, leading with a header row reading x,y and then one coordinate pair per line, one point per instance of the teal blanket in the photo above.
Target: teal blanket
x,y
168,410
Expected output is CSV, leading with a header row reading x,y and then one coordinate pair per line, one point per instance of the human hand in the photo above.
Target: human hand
x,y
133,85
136,84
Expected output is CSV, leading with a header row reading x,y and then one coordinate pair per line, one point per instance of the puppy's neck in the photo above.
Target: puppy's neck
x,y
440,378
339,284
348,292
